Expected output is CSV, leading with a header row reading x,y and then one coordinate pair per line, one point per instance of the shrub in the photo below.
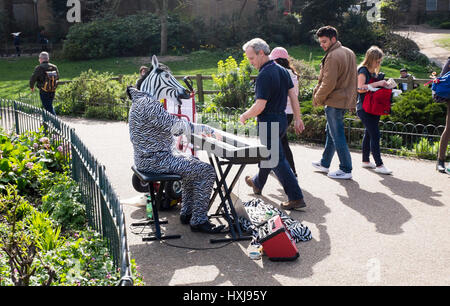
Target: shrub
x,y
93,95
404,48
445,25
307,78
357,33
417,106
314,128
234,83
113,36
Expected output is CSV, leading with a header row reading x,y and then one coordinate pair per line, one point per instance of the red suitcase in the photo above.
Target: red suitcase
x,y
276,240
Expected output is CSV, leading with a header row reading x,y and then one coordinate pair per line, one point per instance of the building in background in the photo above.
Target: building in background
x,y
32,14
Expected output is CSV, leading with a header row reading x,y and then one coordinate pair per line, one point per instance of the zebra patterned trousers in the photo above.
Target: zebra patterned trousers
x,y
197,182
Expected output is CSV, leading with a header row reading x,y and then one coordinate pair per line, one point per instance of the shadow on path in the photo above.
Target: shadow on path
x,y
412,190
387,214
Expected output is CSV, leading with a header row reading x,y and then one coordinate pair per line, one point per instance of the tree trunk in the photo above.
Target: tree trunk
x,y
163,17
8,23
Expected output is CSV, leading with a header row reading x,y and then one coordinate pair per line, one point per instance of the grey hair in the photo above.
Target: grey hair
x,y
257,44
44,55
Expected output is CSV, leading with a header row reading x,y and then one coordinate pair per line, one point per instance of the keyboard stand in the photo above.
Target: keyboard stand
x,y
226,208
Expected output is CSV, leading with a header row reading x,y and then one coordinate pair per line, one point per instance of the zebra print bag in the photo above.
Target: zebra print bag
x,y
256,210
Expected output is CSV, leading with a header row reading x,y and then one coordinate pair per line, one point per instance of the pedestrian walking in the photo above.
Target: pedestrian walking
x,y
281,57
45,76
446,134
17,43
336,90
370,69
273,86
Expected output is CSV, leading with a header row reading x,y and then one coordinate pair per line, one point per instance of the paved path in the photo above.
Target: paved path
x,y
425,37
372,230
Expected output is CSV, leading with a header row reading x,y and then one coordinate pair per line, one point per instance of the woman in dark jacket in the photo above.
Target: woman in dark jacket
x,y
368,69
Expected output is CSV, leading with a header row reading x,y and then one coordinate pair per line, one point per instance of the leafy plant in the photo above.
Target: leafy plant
x,y
14,240
45,236
234,83
426,149
62,202
396,141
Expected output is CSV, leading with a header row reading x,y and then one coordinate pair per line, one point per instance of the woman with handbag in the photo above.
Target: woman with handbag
x,y
368,72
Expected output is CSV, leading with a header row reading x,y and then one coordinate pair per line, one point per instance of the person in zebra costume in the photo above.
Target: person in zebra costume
x,y
152,131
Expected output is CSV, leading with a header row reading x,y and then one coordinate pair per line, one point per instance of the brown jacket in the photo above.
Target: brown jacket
x,y
338,79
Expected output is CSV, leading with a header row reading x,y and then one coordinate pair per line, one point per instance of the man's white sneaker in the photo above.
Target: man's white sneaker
x,y
340,175
319,167
383,170
368,165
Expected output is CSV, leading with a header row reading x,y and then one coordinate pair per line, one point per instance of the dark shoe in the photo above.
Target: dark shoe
x,y
296,204
207,227
185,219
440,166
249,181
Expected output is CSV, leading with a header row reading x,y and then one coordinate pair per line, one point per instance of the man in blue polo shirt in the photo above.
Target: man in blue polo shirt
x,y
273,86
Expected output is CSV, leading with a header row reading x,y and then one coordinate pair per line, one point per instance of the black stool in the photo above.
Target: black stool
x,y
150,178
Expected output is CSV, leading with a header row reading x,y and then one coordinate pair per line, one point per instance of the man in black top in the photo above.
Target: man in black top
x,y
405,75
46,76
273,86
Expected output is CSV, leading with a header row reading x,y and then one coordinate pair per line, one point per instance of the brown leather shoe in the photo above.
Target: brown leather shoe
x,y
292,205
249,181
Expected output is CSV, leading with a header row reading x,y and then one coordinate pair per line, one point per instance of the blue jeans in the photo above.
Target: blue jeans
x,y
336,141
282,168
371,140
47,101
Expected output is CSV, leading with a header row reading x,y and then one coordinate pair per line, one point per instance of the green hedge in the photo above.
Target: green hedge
x,y
94,95
129,36
418,107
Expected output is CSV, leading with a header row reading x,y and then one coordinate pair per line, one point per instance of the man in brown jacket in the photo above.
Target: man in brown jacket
x,y
336,91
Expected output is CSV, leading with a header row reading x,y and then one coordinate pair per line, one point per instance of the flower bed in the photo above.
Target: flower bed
x,y
44,239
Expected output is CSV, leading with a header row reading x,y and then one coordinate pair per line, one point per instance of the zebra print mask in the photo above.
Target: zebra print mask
x,y
161,84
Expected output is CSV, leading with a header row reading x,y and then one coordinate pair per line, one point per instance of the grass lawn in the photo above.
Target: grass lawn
x,y
444,43
15,73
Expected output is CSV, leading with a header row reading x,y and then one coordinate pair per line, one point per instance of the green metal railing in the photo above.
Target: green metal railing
x,y
395,136
104,212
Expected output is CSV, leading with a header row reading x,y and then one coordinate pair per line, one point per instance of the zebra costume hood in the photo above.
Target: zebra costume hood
x,y
152,128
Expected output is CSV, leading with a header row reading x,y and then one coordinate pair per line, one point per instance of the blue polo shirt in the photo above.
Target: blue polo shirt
x,y
272,84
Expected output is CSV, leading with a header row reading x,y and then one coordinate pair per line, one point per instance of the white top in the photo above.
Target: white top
x,y
295,81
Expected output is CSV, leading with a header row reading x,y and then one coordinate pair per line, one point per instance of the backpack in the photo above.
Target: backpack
x,y
441,86
50,81
378,102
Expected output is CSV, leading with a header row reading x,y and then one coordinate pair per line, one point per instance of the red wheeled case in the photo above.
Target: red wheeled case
x,y
276,240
